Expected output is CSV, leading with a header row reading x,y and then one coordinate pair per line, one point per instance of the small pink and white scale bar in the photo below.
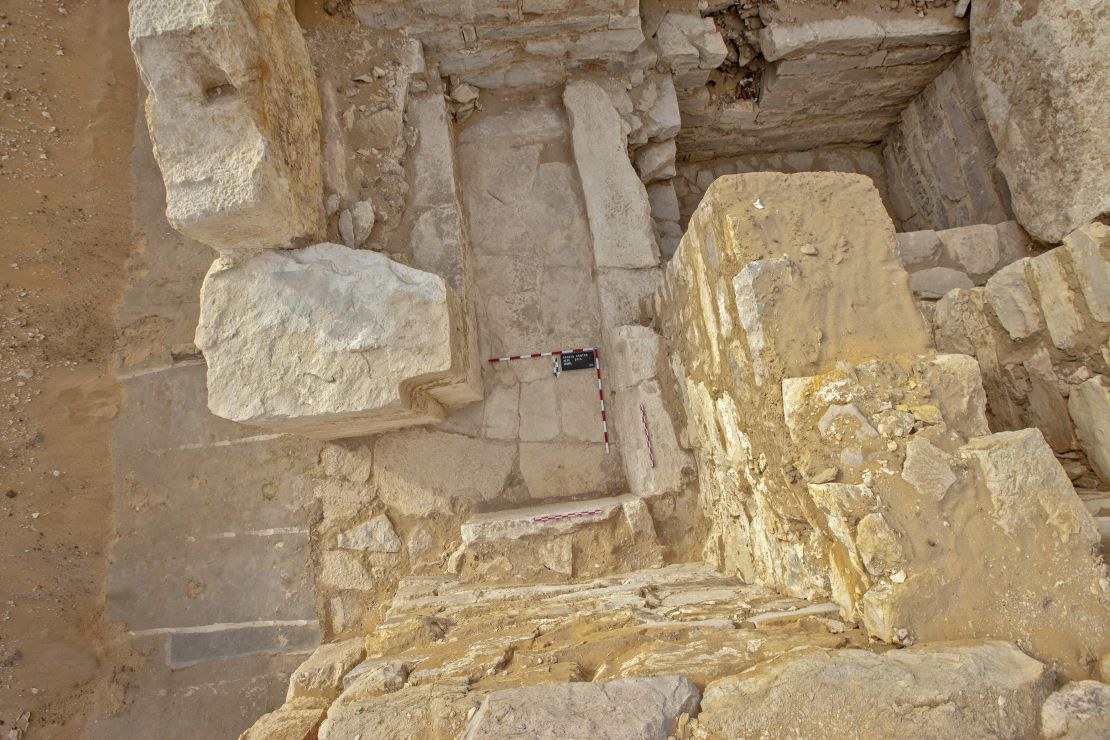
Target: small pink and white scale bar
x,y
597,367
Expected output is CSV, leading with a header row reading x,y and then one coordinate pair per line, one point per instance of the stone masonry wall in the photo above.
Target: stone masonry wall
x,y
839,455
940,158
1040,329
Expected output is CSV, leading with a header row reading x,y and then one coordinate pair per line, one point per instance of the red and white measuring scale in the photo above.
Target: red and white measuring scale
x,y
558,353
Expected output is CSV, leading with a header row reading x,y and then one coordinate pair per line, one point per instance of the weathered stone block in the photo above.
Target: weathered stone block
x,y
332,342
627,707
1058,300
234,114
322,674
1010,296
1067,710
616,202
936,281
1027,61
1089,406
1089,249
935,690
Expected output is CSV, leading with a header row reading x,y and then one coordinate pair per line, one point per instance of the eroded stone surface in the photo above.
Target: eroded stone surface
x,y
332,342
639,707
1047,58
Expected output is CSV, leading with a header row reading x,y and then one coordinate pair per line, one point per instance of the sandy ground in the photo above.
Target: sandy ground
x,y
67,104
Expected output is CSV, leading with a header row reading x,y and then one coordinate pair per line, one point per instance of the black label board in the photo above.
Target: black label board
x,y
576,361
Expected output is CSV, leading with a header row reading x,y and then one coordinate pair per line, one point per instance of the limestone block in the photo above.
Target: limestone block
x,y
627,707
854,35
332,342
1089,249
1013,242
234,115
690,40
558,470
1047,58
1029,490
928,468
1069,708
1010,296
376,535
657,106
436,709
1061,315
468,471
957,689
616,201
758,293
935,282
918,248
322,674
645,477
286,723
655,161
664,201
557,542
626,294
974,248
635,356
1089,406
341,570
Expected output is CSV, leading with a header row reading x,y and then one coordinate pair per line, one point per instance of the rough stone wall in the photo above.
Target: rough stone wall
x,y
939,261
940,158
838,455
1040,330
506,43
741,308
831,77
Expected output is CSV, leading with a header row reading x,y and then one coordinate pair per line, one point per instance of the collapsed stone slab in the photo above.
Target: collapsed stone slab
x,y
969,689
332,342
1047,58
234,116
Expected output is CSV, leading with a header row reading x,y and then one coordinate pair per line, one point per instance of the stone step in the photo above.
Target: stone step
x,y
447,639
558,542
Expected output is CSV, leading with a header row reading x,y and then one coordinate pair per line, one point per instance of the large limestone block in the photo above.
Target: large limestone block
x,y
1089,407
234,115
800,286
628,707
616,200
332,342
778,275
969,689
322,674
1041,72
1029,491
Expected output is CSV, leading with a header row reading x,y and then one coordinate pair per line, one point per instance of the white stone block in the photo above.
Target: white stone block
x,y
234,115
616,201
332,342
